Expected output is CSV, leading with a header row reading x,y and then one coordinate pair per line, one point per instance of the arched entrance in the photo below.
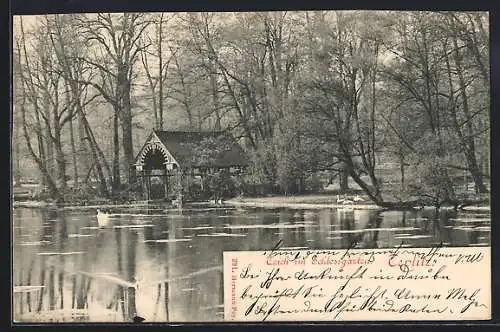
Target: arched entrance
x,y
153,167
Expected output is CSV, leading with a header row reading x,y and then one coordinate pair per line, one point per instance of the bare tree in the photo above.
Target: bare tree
x,y
115,41
70,50
43,89
465,128
156,61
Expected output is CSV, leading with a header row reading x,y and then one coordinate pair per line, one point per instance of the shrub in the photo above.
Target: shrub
x,y
221,185
313,183
195,193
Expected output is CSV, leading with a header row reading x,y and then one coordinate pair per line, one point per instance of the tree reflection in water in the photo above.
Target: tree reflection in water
x,y
85,273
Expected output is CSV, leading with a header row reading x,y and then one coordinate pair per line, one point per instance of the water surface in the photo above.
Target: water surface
x,y
166,265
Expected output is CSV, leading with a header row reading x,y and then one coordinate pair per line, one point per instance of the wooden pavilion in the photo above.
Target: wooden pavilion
x,y
170,160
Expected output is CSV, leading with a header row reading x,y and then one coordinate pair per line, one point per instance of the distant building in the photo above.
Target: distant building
x,y
192,155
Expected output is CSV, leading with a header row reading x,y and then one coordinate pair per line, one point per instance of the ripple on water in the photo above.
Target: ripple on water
x,y
404,234
417,219
197,228
133,226
188,289
267,226
412,237
391,229
334,237
168,240
27,235
217,306
467,220
60,253
221,235
27,289
34,243
465,228
476,208
347,231
80,235
403,245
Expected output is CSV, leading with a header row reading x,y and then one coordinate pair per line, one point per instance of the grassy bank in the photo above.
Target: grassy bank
x,y
322,201
312,201
300,202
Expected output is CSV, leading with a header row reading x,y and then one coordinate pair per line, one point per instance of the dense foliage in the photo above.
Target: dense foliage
x,y
345,93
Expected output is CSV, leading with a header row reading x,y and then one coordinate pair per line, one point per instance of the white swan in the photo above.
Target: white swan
x,y
340,200
357,198
347,205
102,218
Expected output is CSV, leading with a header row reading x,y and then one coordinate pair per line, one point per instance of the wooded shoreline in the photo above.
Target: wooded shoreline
x,y
272,202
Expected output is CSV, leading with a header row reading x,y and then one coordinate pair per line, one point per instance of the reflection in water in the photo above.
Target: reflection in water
x,y
168,266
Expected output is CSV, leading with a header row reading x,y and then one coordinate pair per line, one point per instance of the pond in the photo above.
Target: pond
x,y
165,265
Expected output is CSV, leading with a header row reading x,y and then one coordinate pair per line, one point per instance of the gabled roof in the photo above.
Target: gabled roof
x,y
206,148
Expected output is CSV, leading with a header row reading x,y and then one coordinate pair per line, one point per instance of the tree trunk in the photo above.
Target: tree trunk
x,y
127,135
470,146
476,173
472,45
185,92
15,117
40,161
96,152
160,74
215,97
344,179
61,170
16,142
116,154
49,161
402,170
301,187
83,153
374,195
73,154
41,146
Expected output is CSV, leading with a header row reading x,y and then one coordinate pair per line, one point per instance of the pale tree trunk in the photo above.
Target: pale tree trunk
x,y
74,154
156,82
344,179
96,155
127,142
83,153
61,168
17,151
160,73
49,161
215,97
116,154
